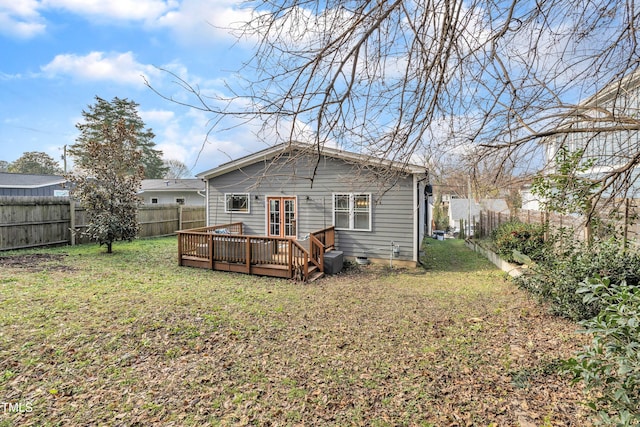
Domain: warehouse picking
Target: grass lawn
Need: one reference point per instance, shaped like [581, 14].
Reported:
[130, 338]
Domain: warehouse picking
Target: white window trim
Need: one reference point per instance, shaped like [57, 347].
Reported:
[226, 209]
[352, 210]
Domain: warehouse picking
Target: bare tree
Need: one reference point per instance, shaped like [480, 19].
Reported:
[491, 80]
[176, 169]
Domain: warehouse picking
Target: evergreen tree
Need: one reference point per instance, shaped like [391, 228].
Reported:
[35, 162]
[107, 186]
[106, 114]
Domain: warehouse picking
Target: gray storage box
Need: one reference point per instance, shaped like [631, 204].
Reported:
[333, 261]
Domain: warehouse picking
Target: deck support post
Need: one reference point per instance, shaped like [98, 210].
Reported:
[210, 251]
[247, 252]
[290, 260]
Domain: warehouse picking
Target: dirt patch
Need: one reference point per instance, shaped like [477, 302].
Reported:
[36, 262]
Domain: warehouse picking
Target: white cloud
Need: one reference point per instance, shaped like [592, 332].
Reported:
[20, 18]
[156, 116]
[193, 22]
[172, 151]
[126, 10]
[203, 22]
[98, 66]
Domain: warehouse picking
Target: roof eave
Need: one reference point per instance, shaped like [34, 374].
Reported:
[48, 184]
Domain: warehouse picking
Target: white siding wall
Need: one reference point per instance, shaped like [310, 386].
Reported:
[165, 197]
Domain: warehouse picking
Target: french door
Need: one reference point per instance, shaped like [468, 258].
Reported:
[281, 217]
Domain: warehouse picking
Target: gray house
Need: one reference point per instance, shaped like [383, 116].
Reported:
[290, 190]
[189, 192]
[20, 184]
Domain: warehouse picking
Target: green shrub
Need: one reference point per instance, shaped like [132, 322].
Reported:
[526, 239]
[556, 277]
[611, 364]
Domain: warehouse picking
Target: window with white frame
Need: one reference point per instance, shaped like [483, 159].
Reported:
[236, 202]
[352, 211]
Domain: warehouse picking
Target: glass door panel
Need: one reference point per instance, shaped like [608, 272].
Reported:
[274, 217]
[281, 217]
[289, 217]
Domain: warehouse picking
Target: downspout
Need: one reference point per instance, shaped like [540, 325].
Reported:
[206, 202]
[416, 226]
[425, 198]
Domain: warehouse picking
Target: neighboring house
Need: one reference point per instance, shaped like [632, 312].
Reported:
[603, 127]
[290, 191]
[20, 184]
[189, 192]
[469, 211]
[530, 201]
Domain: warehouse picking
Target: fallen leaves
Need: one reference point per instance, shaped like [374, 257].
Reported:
[371, 347]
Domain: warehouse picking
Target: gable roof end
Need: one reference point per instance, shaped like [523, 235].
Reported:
[272, 152]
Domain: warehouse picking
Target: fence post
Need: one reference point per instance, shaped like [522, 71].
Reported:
[72, 221]
[180, 217]
[545, 223]
[626, 223]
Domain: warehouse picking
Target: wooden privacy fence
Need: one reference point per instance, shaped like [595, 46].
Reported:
[622, 222]
[490, 220]
[41, 221]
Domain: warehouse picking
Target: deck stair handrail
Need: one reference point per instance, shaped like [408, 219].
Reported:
[299, 261]
[326, 236]
[316, 252]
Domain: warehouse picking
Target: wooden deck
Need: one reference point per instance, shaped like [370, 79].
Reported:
[224, 247]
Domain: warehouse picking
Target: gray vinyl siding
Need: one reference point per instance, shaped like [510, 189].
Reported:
[31, 192]
[392, 210]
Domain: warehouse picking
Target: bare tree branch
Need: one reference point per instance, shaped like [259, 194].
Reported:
[489, 82]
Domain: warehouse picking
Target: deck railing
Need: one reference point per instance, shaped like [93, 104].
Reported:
[319, 242]
[224, 247]
[326, 236]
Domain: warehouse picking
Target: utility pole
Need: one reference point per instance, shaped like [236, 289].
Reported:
[468, 233]
[64, 157]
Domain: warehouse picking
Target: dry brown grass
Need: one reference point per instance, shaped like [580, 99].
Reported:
[131, 339]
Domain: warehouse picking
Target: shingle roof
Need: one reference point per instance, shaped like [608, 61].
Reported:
[22, 180]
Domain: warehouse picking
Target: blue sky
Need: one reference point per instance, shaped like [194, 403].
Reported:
[57, 55]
